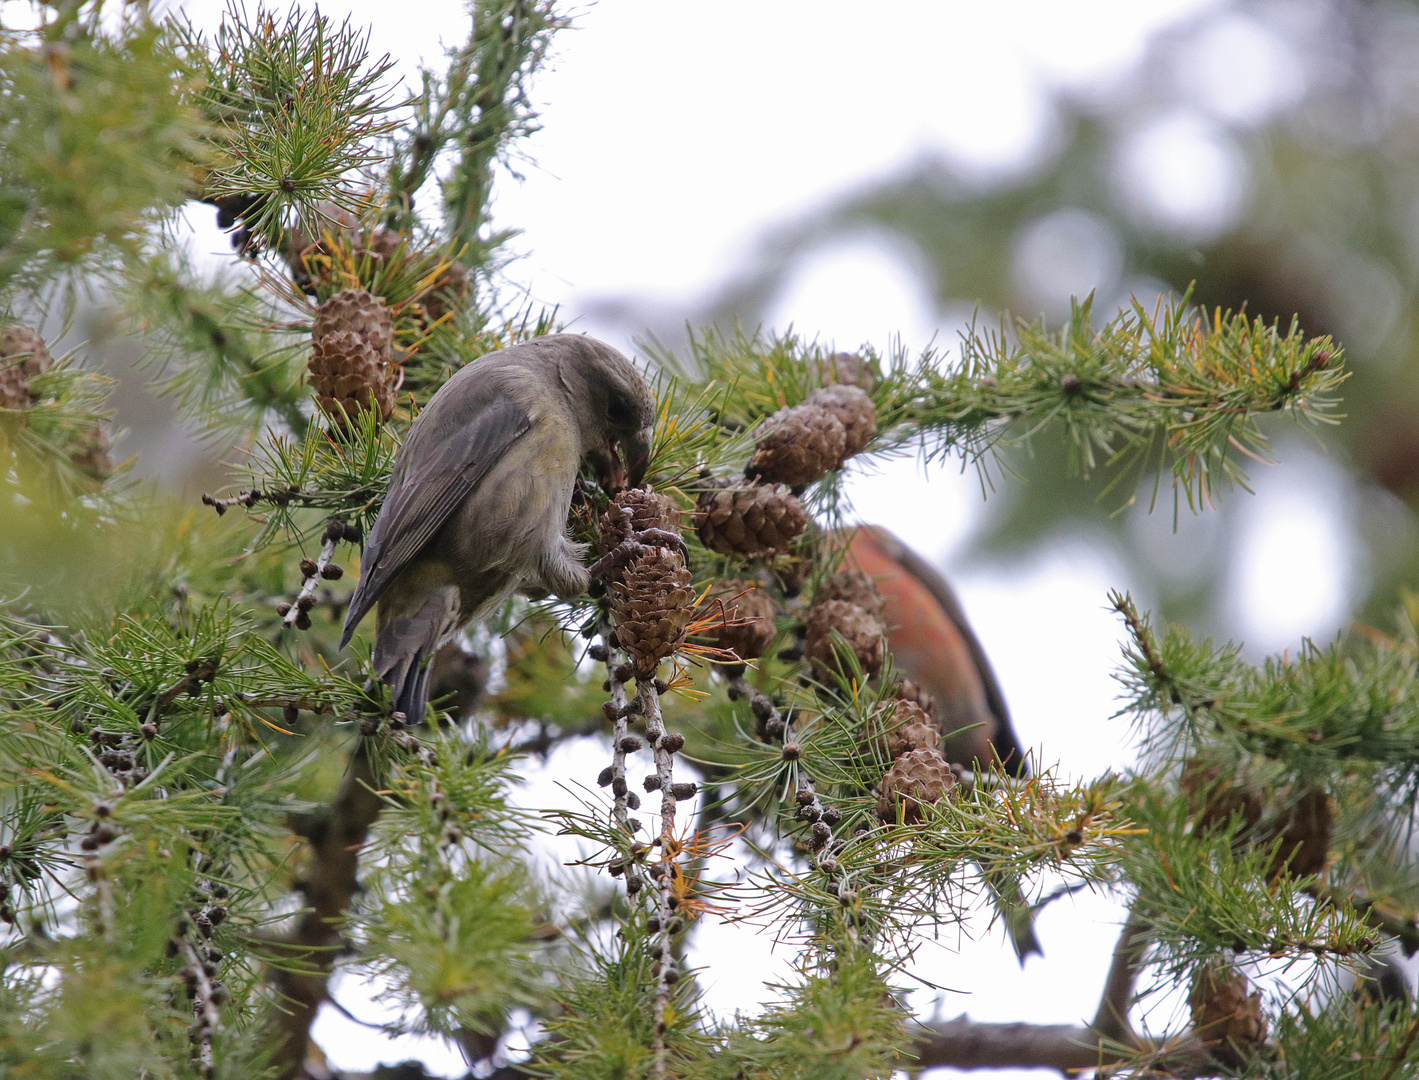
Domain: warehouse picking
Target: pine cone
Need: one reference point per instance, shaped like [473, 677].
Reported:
[356, 311]
[798, 446]
[854, 410]
[755, 521]
[862, 632]
[1225, 1016]
[845, 369]
[741, 600]
[649, 510]
[652, 606]
[23, 355]
[1305, 829]
[906, 690]
[853, 587]
[348, 376]
[91, 452]
[893, 732]
[448, 293]
[1214, 799]
[916, 779]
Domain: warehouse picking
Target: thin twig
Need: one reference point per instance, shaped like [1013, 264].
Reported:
[209, 1020]
[1111, 1017]
[1402, 1051]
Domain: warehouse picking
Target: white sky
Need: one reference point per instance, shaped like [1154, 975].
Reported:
[677, 133]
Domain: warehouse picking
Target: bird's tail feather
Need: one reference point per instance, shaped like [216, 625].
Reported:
[405, 648]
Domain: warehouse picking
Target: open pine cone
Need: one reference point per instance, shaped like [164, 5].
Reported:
[757, 521]
[916, 779]
[92, 452]
[854, 410]
[862, 632]
[649, 510]
[741, 600]
[1214, 798]
[23, 355]
[1306, 829]
[798, 446]
[350, 367]
[845, 369]
[1225, 1016]
[652, 605]
[890, 734]
[906, 690]
[854, 587]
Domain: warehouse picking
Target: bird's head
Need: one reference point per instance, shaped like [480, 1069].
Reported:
[616, 412]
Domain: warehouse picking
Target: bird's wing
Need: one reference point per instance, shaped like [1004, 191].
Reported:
[453, 456]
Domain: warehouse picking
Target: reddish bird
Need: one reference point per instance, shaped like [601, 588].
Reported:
[934, 647]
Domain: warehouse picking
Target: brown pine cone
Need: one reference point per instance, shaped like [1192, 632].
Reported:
[741, 600]
[383, 243]
[862, 632]
[348, 377]
[854, 410]
[893, 731]
[754, 521]
[447, 294]
[649, 510]
[854, 587]
[798, 446]
[653, 604]
[356, 311]
[916, 779]
[845, 369]
[1225, 1016]
[91, 452]
[906, 690]
[1306, 829]
[23, 355]
[1213, 798]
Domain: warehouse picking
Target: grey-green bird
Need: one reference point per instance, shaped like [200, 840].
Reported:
[478, 502]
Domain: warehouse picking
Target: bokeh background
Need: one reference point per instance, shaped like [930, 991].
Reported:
[885, 174]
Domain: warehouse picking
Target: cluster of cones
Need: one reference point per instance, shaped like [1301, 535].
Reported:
[844, 631]
[652, 599]
[1300, 822]
[23, 357]
[762, 517]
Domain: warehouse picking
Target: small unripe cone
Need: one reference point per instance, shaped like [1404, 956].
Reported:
[23, 355]
[754, 521]
[845, 369]
[1225, 1016]
[862, 632]
[916, 779]
[741, 600]
[890, 734]
[652, 605]
[349, 376]
[798, 446]
[854, 410]
[649, 510]
[854, 587]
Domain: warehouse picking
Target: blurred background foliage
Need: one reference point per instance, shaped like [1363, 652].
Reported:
[1267, 154]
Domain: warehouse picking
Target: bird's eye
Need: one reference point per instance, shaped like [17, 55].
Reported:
[618, 412]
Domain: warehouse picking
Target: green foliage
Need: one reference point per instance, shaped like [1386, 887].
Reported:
[99, 140]
[298, 108]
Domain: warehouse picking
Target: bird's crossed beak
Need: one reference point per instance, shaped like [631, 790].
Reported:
[626, 463]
